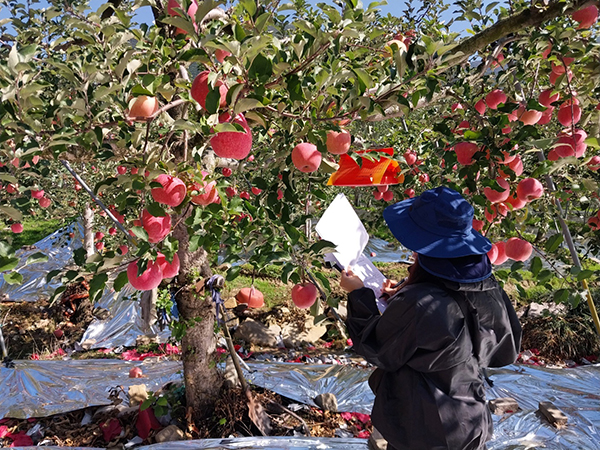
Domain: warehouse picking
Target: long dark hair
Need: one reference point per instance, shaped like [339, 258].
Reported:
[416, 274]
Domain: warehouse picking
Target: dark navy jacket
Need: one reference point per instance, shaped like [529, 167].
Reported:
[429, 393]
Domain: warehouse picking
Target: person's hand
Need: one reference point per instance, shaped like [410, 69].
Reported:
[388, 288]
[350, 282]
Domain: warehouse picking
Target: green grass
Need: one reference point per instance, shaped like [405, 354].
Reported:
[33, 231]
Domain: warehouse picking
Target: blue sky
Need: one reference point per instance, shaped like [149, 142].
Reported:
[395, 7]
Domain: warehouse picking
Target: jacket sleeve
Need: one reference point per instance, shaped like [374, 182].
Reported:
[386, 340]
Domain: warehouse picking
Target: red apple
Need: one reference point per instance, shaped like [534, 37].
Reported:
[156, 227]
[529, 189]
[245, 195]
[518, 249]
[221, 55]
[37, 194]
[493, 254]
[226, 171]
[338, 143]
[477, 225]
[172, 4]
[16, 228]
[495, 98]
[142, 108]
[44, 202]
[304, 295]
[480, 107]
[594, 163]
[123, 249]
[546, 116]
[169, 269]
[232, 144]
[495, 196]
[121, 170]
[530, 117]
[586, 17]
[200, 89]
[148, 280]
[11, 188]
[410, 192]
[388, 196]
[569, 114]
[554, 76]
[465, 151]
[424, 178]
[279, 194]
[256, 190]
[172, 191]
[410, 157]
[306, 157]
[594, 223]
[135, 372]
[548, 97]
[501, 255]
[99, 236]
[515, 202]
[208, 192]
[58, 333]
[250, 296]
[230, 191]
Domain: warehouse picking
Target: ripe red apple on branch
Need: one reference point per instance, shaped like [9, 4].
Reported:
[172, 192]
[200, 89]
[518, 249]
[232, 144]
[304, 295]
[338, 142]
[157, 227]
[148, 280]
[142, 108]
[306, 158]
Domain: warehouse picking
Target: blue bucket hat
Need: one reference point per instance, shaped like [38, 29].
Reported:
[438, 223]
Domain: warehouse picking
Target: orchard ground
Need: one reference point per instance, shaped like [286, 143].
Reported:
[30, 329]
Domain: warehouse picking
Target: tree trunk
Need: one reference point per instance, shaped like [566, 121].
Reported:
[196, 310]
[88, 230]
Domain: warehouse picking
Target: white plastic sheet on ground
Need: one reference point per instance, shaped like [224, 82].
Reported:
[124, 324]
[41, 388]
[59, 247]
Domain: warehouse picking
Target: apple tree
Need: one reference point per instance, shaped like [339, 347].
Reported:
[217, 128]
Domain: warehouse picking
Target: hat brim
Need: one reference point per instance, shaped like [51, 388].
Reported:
[422, 241]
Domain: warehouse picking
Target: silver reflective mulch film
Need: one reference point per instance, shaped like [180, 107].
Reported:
[41, 388]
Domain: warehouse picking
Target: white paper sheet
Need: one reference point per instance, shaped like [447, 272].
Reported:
[341, 225]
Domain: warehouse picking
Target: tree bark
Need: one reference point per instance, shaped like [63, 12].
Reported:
[197, 311]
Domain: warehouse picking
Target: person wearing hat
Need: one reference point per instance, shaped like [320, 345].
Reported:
[447, 321]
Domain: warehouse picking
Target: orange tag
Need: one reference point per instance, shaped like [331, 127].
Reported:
[383, 171]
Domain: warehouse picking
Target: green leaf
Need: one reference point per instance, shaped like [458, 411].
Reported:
[261, 68]
[37, 258]
[322, 246]
[561, 295]
[11, 212]
[52, 274]
[553, 243]
[536, 265]
[13, 278]
[120, 281]
[146, 403]
[250, 6]
[584, 274]
[233, 273]
[8, 263]
[80, 256]
[285, 272]
[544, 275]
[97, 284]
[593, 142]
[5, 249]
[292, 232]
[140, 233]
[156, 210]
